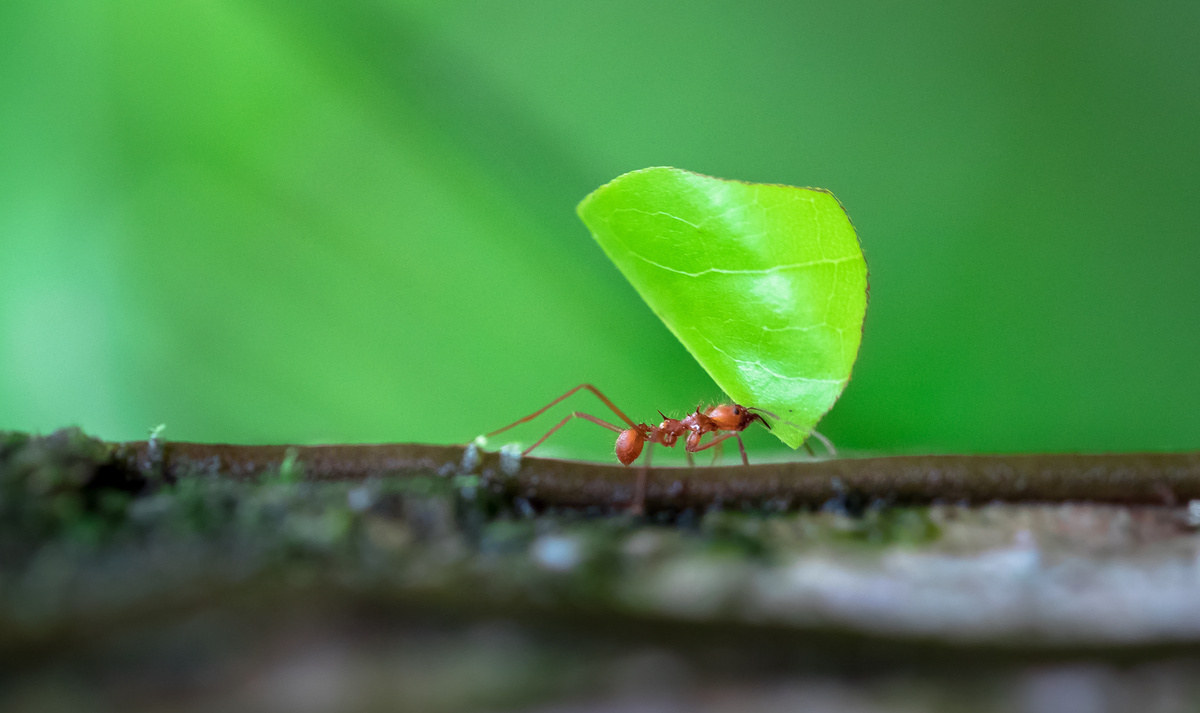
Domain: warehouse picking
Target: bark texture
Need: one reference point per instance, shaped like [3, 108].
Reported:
[1128, 479]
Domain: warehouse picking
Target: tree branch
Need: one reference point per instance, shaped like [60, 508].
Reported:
[1143, 478]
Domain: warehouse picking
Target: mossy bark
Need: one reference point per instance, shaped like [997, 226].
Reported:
[842, 571]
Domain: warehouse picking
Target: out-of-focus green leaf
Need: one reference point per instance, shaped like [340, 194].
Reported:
[764, 284]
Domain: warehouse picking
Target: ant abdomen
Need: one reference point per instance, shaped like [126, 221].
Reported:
[629, 445]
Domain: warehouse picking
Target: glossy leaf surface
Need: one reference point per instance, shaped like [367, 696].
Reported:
[764, 284]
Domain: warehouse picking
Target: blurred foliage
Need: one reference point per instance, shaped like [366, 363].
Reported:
[300, 221]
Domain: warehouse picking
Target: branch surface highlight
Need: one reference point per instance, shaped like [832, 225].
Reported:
[1127, 479]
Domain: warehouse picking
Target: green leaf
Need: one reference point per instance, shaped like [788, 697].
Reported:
[764, 284]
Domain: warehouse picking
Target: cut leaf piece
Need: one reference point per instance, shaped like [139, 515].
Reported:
[764, 284]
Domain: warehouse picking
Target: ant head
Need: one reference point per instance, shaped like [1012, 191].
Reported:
[735, 417]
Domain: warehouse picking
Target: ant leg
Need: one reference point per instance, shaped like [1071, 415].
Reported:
[715, 441]
[543, 409]
[690, 461]
[717, 453]
[721, 439]
[638, 508]
[808, 447]
[825, 442]
[577, 414]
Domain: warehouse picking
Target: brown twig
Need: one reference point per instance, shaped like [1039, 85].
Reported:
[1141, 478]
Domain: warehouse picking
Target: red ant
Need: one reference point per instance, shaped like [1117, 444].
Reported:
[730, 418]
[725, 417]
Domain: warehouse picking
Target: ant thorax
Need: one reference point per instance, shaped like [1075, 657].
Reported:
[667, 432]
[700, 423]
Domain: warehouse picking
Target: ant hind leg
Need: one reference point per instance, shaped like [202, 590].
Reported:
[638, 507]
[545, 408]
[560, 424]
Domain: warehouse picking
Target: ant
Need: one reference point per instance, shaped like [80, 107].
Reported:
[733, 418]
[728, 419]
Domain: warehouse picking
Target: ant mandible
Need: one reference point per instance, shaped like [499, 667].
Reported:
[731, 419]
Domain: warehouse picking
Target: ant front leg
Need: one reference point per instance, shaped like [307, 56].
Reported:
[825, 442]
[742, 448]
[722, 439]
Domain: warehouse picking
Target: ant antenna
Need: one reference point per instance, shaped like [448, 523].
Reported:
[764, 412]
[545, 408]
[768, 413]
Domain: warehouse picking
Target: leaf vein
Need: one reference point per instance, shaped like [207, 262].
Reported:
[763, 271]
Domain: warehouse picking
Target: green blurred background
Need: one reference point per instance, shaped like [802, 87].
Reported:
[304, 221]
